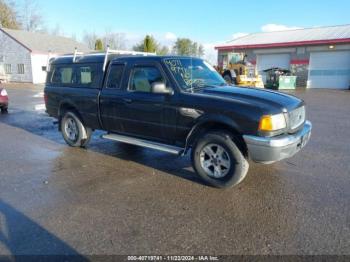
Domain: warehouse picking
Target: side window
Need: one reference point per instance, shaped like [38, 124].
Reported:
[84, 75]
[62, 75]
[143, 77]
[115, 76]
[78, 75]
[8, 69]
[20, 69]
[87, 75]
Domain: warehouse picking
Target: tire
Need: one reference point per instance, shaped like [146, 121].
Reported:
[228, 78]
[73, 130]
[230, 161]
[234, 81]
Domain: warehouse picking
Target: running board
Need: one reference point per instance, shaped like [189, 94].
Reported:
[144, 143]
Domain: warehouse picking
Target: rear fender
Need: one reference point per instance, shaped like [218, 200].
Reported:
[68, 105]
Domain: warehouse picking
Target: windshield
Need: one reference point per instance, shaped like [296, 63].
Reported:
[191, 73]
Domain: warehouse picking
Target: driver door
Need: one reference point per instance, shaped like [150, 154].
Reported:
[146, 114]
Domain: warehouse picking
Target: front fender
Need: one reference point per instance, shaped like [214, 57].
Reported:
[210, 120]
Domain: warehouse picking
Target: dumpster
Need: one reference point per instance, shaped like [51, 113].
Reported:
[287, 82]
[278, 78]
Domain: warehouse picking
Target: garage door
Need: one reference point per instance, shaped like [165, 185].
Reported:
[329, 70]
[273, 60]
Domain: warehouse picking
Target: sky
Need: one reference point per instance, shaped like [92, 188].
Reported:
[206, 21]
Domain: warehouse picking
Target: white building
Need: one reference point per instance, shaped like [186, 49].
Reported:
[24, 55]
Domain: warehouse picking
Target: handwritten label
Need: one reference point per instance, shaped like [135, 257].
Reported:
[185, 73]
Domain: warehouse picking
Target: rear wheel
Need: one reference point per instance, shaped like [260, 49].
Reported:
[74, 132]
[4, 110]
[218, 161]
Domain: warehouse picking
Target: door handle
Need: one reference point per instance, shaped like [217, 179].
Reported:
[127, 100]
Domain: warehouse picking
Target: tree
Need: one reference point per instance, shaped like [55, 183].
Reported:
[30, 16]
[111, 39]
[8, 15]
[200, 51]
[99, 45]
[114, 40]
[149, 44]
[163, 51]
[90, 39]
[56, 30]
[139, 47]
[185, 46]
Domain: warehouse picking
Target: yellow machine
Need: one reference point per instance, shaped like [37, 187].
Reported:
[240, 72]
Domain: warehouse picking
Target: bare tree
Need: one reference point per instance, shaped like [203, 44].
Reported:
[74, 36]
[56, 30]
[114, 40]
[90, 39]
[30, 16]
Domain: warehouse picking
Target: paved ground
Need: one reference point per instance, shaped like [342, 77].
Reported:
[118, 199]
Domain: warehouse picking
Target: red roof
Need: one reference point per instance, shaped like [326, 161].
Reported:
[299, 37]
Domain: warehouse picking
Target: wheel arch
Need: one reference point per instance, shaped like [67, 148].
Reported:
[217, 123]
[67, 106]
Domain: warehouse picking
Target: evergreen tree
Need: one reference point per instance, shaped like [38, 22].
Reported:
[150, 44]
[98, 45]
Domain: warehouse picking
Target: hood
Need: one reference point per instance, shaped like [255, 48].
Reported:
[270, 101]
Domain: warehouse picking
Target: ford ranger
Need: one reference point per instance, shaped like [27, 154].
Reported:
[176, 105]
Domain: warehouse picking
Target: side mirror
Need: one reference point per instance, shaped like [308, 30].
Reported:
[160, 88]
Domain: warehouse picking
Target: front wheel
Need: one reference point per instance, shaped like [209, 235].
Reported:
[74, 132]
[218, 161]
[228, 78]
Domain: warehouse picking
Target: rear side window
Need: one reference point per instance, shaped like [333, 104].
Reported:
[84, 75]
[115, 76]
[78, 75]
[62, 75]
[87, 76]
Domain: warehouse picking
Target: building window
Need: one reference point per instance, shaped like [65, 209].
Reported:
[20, 69]
[8, 69]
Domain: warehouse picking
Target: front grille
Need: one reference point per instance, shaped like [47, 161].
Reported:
[296, 118]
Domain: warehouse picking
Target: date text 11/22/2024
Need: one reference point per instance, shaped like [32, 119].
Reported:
[173, 258]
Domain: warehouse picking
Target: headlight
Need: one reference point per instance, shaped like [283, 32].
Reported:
[3, 93]
[272, 123]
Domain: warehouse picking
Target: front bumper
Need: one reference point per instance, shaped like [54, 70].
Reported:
[269, 150]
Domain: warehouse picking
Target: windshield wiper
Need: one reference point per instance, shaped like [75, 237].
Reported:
[199, 88]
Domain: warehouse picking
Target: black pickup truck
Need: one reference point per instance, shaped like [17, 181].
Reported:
[176, 105]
